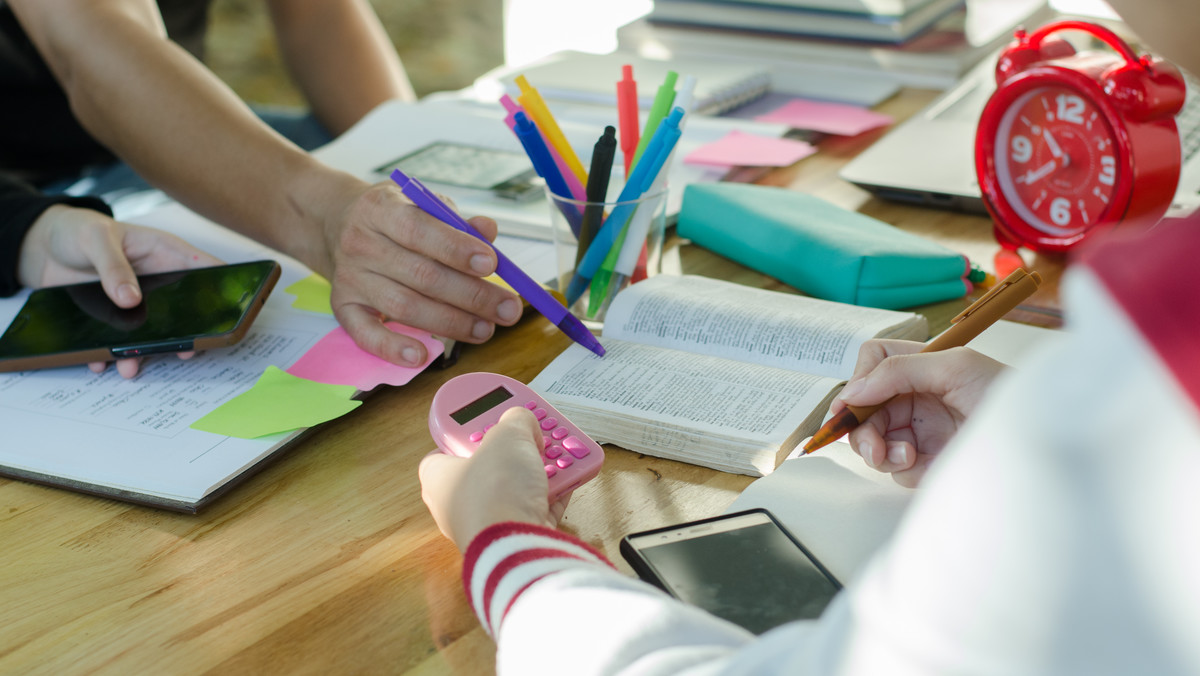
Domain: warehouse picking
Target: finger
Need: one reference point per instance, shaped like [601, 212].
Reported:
[875, 351]
[97, 366]
[486, 227]
[104, 250]
[370, 334]
[150, 250]
[911, 477]
[128, 368]
[413, 229]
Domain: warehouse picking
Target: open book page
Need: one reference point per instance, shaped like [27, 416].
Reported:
[684, 401]
[709, 316]
[839, 508]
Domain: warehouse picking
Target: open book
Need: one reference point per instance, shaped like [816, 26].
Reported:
[714, 373]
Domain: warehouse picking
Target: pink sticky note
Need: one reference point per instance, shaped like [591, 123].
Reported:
[831, 118]
[337, 360]
[739, 149]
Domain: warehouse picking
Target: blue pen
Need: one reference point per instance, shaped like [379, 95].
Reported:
[639, 182]
[543, 163]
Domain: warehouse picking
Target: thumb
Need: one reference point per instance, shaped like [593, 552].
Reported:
[116, 274]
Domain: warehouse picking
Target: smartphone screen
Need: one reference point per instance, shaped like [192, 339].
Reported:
[182, 310]
[741, 567]
[506, 173]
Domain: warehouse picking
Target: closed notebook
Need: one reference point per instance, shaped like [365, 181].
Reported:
[820, 248]
[592, 78]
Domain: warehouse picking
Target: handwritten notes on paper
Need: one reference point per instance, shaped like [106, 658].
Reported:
[739, 149]
[830, 118]
[278, 402]
[337, 360]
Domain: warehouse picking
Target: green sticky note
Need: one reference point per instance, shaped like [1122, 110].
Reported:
[312, 294]
[278, 402]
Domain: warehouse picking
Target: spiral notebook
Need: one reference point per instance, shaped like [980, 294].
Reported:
[592, 78]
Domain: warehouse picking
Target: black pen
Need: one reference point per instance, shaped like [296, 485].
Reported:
[597, 189]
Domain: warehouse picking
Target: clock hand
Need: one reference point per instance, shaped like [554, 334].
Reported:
[1034, 176]
[1051, 143]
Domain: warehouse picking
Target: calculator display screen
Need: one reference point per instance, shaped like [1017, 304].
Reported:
[481, 405]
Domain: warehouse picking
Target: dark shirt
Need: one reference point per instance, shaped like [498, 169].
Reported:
[40, 139]
[20, 206]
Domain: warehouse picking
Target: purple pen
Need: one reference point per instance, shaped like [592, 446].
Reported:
[531, 291]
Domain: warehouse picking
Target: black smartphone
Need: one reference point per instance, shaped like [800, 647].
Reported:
[742, 567]
[505, 173]
[180, 311]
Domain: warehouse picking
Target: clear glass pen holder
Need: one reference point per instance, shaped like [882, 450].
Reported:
[622, 245]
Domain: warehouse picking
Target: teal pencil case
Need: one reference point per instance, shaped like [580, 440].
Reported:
[820, 248]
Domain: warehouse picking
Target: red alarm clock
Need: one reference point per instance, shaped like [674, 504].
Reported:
[1072, 143]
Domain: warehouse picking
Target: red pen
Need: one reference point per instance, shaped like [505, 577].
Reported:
[627, 115]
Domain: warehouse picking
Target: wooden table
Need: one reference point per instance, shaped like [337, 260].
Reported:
[327, 561]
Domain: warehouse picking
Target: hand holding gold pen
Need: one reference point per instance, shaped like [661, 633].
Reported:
[993, 305]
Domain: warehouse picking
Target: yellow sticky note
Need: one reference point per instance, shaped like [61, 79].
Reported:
[278, 402]
[312, 294]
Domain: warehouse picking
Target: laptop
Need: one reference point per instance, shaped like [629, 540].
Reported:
[929, 159]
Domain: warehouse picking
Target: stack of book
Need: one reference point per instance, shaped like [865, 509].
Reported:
[919, 42]
[875, 20]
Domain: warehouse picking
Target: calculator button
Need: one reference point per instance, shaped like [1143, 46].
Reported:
[539, 413]
[576, 447]
[564, 462]
[553, 452]
[546, 441]
[550, 423]
[531, 405]
[488, 427]
[551, 470]
[560, 432]
[476, 437]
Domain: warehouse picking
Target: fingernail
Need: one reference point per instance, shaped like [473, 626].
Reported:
[481, 264]
[128, 294]
[481, 330]
[897, 454]
[509, 310]
[865, 450]
[410, 355]
[852, 388]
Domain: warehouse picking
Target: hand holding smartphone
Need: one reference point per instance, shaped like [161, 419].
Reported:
[197, 309]
[742, 567]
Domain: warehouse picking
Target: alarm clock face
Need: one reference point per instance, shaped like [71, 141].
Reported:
[1056, 161]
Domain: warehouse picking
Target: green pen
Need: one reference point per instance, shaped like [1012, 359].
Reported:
[658, 112]
[663, 100]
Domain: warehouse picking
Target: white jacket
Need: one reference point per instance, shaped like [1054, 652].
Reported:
[1056, 535]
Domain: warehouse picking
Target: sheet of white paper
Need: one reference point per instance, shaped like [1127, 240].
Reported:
[834, 504]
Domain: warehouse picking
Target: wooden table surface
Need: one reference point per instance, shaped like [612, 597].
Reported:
[327, 561]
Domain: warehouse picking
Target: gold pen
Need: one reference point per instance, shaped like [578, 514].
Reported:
[996, 303]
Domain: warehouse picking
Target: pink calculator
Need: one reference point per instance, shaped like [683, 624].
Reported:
[467, 406]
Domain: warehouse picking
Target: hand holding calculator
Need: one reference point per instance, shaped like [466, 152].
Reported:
[467, 406]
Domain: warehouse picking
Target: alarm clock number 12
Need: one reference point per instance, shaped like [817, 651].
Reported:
[1073, 143]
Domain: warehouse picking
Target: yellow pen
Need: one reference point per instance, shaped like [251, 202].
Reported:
[536, 108]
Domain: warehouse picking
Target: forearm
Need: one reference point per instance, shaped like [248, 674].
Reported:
[340, 57]
[549, 599]
[167, 116]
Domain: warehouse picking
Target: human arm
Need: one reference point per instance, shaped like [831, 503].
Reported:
[928, 395]
[340, 56]
[174, 122]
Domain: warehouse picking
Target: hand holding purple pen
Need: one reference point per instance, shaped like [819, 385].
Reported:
[531, 291]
